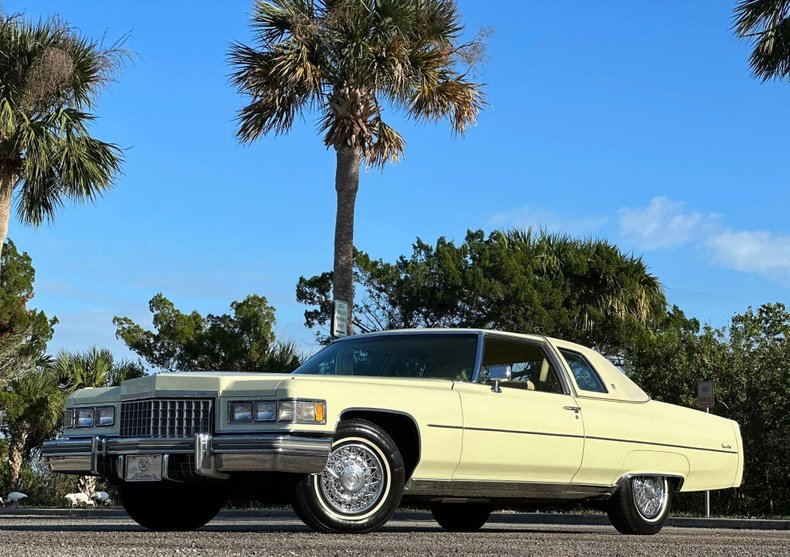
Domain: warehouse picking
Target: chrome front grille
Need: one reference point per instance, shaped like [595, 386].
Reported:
[160, 417]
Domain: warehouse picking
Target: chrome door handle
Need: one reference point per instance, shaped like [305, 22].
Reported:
[576, 409]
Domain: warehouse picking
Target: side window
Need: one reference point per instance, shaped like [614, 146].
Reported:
[586, 377]
[531, 370]
[368, 362]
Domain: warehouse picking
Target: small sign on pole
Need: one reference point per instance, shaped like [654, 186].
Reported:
[705, 394]
[705, 399]
[340, 324]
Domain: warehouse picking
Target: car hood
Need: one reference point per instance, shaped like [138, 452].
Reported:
[184, 384]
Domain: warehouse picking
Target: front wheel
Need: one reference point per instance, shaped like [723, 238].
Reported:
[166, 507]
[361, 485]
[640, 505]
[461, 517]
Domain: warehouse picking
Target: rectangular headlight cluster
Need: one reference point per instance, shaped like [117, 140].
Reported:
[98, 416]
[290, 411]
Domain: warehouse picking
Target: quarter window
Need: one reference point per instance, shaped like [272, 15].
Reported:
[586, 377]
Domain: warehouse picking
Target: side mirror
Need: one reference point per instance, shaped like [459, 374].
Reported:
[497, 373]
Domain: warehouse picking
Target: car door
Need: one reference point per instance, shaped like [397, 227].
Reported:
[529, 431]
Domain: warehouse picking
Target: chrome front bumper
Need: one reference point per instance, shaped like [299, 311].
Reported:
[213, 456]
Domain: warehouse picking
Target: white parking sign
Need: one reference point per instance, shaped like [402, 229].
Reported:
[705, 396]
[340, 325]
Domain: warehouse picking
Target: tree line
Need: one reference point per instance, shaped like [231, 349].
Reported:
[584, 290]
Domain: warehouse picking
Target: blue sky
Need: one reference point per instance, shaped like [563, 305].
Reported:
[633, 121]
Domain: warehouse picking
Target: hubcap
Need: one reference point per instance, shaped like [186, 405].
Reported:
[649, 495]
[353, 480]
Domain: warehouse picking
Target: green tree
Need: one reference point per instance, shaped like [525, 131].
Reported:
[756, 389]
[242, 341]
[49, 79]
[748, 362]
[766, 24]
[347, 59]
[33, 404]
[93, 368]
[24, 332]
[583, 290]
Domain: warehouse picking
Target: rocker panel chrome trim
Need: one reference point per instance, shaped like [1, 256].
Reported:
[512, 491]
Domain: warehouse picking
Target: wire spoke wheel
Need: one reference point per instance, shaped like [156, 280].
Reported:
[361, 484]
[649, 495]
[640, 505]
[353, 480]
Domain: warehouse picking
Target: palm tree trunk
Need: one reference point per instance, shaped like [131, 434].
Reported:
[346, 185]
[16, 455]
[6, 189]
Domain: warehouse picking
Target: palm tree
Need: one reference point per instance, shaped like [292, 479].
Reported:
[767, 24]
[606, 283]
[346, 60]
[49, 79]
[280, 357]
[33, 405]
[95, 368]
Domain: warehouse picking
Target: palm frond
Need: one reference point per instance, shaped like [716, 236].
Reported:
[281, 83]
[273, 21]
[454, 98]
[387, 144]
[94, 368]
[341, 56]
[766, 23]
[49, 77]
[752, 15]
[61, 161]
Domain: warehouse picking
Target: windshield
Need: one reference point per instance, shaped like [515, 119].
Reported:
[438, 355]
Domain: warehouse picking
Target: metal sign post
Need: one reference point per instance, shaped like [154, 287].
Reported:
[705, 399]
[340, 325]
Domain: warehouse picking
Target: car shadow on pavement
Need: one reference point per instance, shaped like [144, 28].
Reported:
[284, 528]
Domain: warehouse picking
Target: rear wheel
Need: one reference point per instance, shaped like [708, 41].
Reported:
[169, 507]
[461, 517]
[640, 505]
[360, 487]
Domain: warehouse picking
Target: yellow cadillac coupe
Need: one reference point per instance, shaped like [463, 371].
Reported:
[463, 421]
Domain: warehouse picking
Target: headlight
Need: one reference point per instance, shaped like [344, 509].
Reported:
[105, 416]
[68, 418]
[302, 411]
[240, 411]
[84, 417]
[265, 411]
[288, 411]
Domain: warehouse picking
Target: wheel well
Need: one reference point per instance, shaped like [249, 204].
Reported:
[400, 427]
[675, 482]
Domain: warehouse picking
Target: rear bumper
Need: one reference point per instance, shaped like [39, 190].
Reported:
[211, 456]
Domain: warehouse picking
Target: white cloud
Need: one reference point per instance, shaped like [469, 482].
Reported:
[760, 252]
[536, 217]
[664, 224]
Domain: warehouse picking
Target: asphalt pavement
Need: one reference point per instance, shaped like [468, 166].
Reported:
[91, 534]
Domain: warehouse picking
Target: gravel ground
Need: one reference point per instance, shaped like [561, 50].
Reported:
[88, 536]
